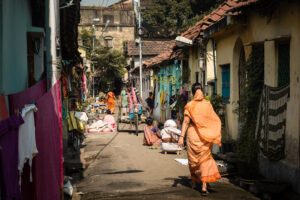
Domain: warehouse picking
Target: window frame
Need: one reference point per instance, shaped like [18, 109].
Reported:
[226, 94]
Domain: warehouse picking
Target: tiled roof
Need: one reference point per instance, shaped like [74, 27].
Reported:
[227, 8]
[149, 47]
[168, 55]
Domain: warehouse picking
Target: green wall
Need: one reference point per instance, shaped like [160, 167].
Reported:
[1, 46]
[15, 19]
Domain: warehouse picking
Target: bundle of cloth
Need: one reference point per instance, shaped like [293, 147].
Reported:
[170, 135]
[105, 125]
[100, 127]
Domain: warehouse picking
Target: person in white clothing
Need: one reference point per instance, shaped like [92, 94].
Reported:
[170, 133]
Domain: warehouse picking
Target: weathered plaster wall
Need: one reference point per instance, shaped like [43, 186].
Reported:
[121, 29]
[224, 56]
[210, 75]
[14, 76]
[284, 22]
[193, 56]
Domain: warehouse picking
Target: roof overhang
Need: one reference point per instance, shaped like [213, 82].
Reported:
[182, 41]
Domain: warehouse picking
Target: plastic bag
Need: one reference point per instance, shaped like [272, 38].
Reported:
[68, 188]
[81, 116]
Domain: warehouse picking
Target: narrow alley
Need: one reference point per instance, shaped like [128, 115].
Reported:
[149, 99]
[118, 166]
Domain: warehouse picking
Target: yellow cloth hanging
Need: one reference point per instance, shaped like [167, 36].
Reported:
[161, 96]
[80, 125]
[73, 120]
[70, 127]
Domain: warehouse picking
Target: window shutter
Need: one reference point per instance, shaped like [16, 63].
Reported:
[226, 82]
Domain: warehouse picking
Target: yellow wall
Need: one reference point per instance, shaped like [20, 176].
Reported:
[210, 61]
[285, 21]
[120, 35]
[225, 55]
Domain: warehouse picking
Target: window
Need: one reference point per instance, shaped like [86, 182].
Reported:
[108, 17]
[185, 71]
[203, 78]
[197, 77]
[226, 82]
[283, 64]
[108, 42]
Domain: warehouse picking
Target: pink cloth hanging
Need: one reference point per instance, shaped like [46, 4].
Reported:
[48, 173]
[132, 100]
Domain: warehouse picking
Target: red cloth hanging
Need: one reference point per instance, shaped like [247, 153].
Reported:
[3, 109]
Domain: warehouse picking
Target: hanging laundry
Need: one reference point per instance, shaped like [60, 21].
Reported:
[9, 157]
[18, 100]
[48, 177]
[64, 85]
[3, 109]
[27, 142]
[84, 86]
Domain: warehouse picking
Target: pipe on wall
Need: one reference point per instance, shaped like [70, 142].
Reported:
[214, 60]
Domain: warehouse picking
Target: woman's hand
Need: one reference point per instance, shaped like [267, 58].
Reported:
[180, 142]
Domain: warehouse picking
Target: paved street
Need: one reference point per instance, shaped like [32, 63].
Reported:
[118, 166]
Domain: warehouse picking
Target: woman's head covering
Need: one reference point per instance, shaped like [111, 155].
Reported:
[207, 122]
[170, 124]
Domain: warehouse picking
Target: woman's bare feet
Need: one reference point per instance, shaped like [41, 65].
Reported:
[204, 189]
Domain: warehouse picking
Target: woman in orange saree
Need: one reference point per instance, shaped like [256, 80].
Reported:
[110, 101]
[203, 128]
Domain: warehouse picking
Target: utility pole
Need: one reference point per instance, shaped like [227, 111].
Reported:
[92, 61]
[140, 45]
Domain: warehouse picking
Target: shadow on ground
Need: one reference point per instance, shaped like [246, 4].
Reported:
[125, 172]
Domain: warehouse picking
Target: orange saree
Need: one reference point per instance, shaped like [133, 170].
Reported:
[204, 130]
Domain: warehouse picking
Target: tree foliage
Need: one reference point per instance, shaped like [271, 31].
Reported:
[109, 68]
[177, 15]
[87, 40]
[108, 63]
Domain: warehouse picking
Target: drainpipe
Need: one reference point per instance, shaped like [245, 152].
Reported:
[214, 58]
[52, 24]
